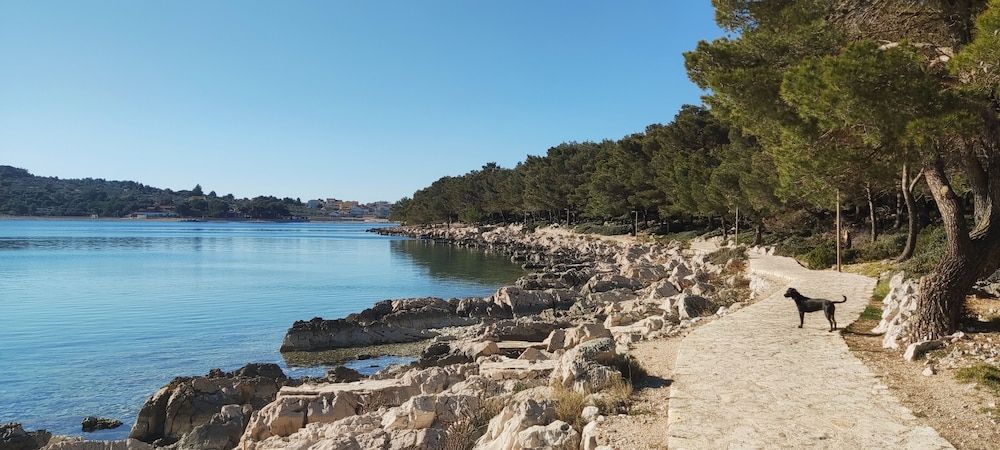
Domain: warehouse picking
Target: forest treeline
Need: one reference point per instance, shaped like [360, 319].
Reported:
[806, 101]
[24, 194]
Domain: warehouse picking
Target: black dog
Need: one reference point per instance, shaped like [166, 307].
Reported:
[806, 304]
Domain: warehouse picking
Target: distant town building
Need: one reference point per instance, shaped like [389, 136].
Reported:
[351, 209]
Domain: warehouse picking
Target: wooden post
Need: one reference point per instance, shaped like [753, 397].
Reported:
[838, 230]
[736, 237]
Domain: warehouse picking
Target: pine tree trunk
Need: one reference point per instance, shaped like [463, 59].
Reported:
[913, 226]
[942, 292]
[871, 213]
[898, 223]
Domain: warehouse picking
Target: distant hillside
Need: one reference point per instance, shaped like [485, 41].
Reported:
[24, 194]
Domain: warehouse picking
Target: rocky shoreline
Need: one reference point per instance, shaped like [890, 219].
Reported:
[495, 371]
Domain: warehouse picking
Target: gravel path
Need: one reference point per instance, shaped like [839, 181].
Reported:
[753, 379]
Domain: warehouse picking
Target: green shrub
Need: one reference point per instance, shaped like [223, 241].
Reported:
[722, 256]
[885, 247]
[931, 244]
[820, 257]
[881, 289]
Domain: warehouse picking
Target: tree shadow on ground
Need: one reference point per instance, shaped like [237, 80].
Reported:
[655, 382]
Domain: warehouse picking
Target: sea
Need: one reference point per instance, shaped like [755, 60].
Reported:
[96, 315]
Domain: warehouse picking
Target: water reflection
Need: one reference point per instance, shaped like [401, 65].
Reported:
[448, 262]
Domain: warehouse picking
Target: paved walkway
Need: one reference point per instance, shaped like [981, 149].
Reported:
[752, 379]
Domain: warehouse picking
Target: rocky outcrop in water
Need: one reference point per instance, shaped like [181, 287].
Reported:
[207, 412]
[91, 424]
[14, 437]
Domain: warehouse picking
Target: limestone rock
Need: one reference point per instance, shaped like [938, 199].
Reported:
[188, 402]
[342, 374]
[917, 349]
[91, 423]
[689, 306]
[571, 337]
[318, 334]
[557, 435]
[221, 432]
[660, 289]
[14, 437]
[504, 429]
[422, 411]
[898, 307]
[588, 438]
[607, 282]
[529, 329]
[521, 302]
[584, 368]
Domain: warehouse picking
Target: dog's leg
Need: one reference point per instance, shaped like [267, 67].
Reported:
[802, 318]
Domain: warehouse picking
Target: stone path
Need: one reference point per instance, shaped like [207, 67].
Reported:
[752, 379]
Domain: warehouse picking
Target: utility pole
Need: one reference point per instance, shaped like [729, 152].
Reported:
[838, 230]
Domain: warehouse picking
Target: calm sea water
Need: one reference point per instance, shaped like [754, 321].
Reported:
[97, 315]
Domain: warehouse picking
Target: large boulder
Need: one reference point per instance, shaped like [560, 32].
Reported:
[188, 402]
[422, 411]
[14, 437]
[606, 282]
[557, 435]
[659, 290]
[564, 339]
[689, 306]
[522, 302]
[289, 413]
[504, 429]
[221, 432]
[646, 273]
[586, 367]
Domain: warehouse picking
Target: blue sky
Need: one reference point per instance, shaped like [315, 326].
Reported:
[354, 99]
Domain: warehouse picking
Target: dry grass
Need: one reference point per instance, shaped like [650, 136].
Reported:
[615, 399]
[569, 406]
[462, 434]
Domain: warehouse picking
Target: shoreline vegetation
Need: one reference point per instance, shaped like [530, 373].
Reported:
[319, 219]
[23, 194]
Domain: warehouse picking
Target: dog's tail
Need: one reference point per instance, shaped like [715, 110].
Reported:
[842, 301]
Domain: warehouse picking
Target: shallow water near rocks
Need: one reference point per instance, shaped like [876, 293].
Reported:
[97, 315]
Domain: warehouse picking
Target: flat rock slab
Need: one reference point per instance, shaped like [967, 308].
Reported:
[752, 379]
[517, 369]
[519, 345]
[330, 388]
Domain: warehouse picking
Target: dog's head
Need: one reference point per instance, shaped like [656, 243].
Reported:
[792, 293]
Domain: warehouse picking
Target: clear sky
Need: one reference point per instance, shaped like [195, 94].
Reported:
[355, 99]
